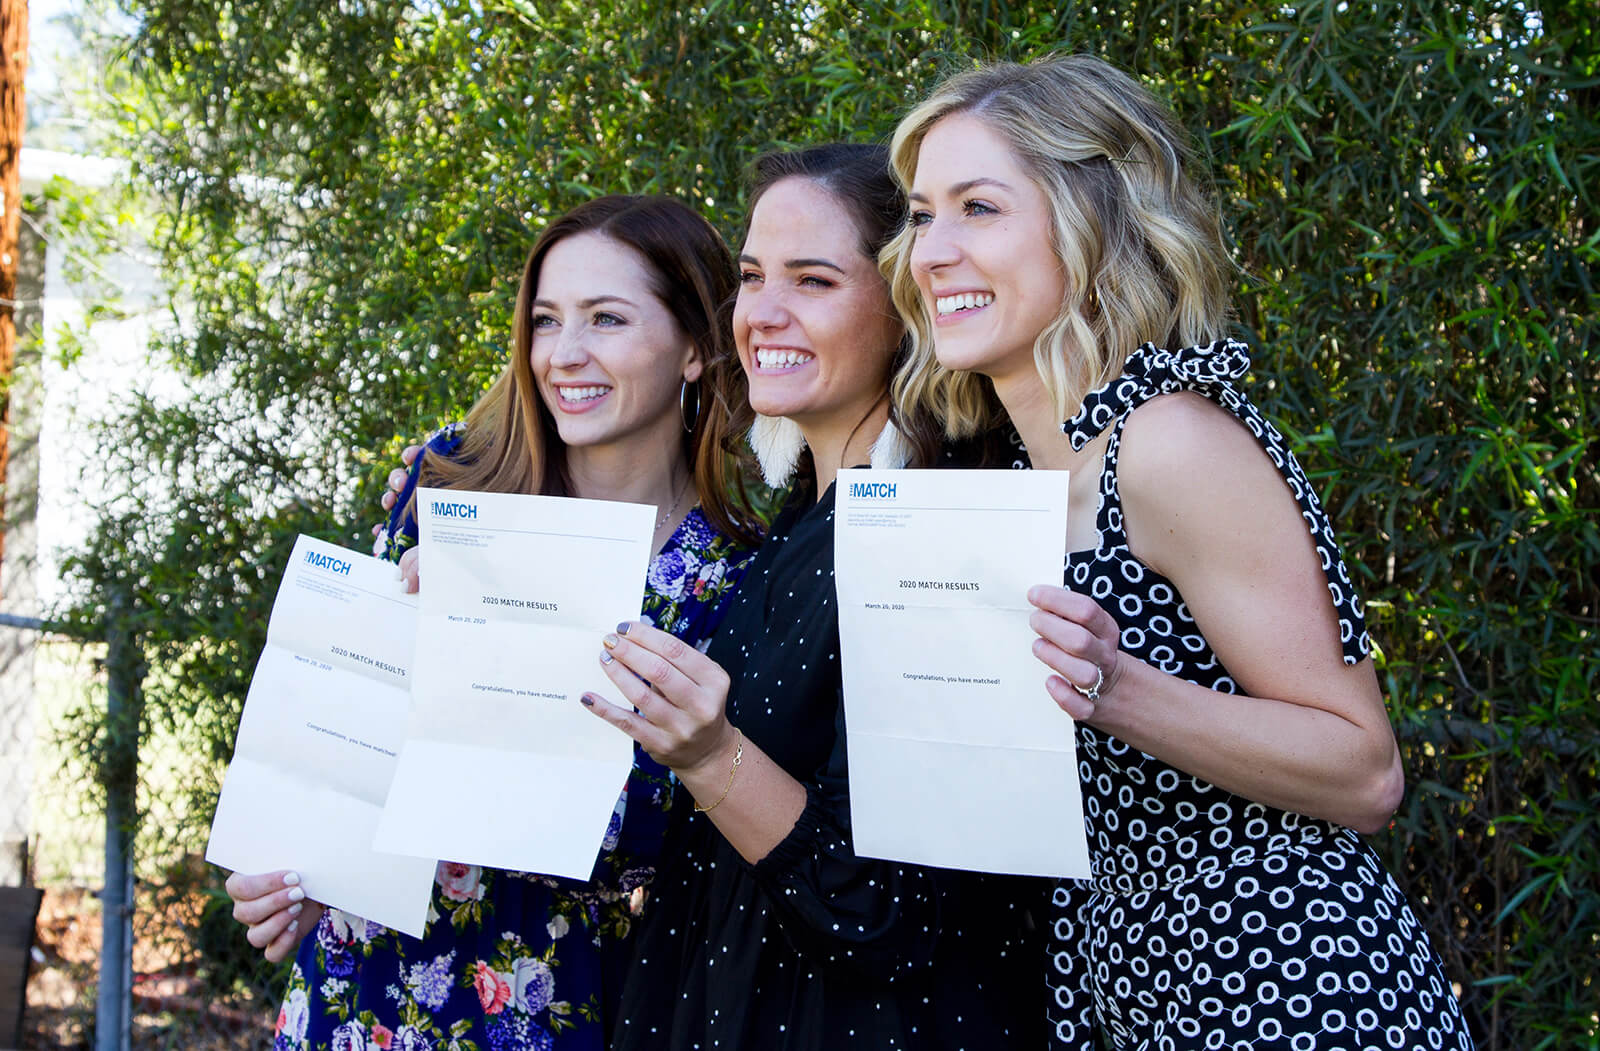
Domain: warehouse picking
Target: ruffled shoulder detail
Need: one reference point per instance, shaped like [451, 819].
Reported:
[1212, 371]
[1151, 371]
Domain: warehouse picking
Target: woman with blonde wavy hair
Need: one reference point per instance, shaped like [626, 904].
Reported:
[1061, 263]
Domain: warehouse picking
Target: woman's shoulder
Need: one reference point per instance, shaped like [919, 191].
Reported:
[1193, 478]
[1183, 438]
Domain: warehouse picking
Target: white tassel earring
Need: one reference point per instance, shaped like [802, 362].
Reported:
[891, 451]
[777, 443]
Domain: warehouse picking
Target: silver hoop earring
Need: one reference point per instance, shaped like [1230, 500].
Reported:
[689, 418]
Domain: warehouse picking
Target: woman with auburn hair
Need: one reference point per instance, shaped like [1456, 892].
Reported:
[1061, 263]
[765, 929]
[615, 336]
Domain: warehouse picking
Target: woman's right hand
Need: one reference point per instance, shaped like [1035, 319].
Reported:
[275, 909]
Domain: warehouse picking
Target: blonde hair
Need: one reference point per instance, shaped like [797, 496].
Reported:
[1140, 244]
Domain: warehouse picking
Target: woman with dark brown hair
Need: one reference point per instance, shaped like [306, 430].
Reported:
[614, 391]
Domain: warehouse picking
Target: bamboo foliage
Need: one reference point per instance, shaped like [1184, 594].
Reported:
[344, 192]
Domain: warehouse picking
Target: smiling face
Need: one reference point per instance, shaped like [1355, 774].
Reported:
[982, 256]
[813, 321]
[607, 355]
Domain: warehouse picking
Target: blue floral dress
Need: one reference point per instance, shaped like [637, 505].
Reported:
[510, 960]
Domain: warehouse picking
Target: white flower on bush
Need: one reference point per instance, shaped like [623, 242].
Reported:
[532, 984]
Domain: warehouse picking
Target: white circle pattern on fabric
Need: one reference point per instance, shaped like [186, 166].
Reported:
[1212, 920]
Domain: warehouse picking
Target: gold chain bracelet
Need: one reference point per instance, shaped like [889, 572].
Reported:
[738, 757]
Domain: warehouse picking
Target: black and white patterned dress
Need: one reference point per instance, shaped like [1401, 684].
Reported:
[1213, 921]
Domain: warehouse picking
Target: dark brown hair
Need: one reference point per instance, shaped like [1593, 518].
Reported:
[857, 175]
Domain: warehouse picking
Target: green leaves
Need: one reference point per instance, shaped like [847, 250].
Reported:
[345, 193]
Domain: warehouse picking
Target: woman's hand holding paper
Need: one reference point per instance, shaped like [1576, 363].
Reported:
[275, 909]
[680, 695]
[410, 570]
[397, 477]
[394, 484]
[1079, 641]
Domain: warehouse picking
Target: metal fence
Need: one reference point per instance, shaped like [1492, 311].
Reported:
[124, 674]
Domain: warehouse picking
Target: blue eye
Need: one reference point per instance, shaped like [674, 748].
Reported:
[608, 320]
[543, 321]
[920, 218]
[977, 208]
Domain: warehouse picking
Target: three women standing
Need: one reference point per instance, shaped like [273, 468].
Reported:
[1059, 264]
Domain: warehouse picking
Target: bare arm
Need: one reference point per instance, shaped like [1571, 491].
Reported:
[1207, 509]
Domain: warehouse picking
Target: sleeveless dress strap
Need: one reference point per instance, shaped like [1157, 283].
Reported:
[1212, 371]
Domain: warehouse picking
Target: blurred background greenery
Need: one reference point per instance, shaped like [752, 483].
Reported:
[340, 193]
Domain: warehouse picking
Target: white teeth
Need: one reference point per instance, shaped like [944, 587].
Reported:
[582, 393]
[963, 301]
[780, 359]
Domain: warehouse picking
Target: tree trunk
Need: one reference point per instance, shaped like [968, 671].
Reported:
[13, 114]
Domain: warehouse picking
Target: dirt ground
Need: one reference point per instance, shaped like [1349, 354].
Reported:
[170, 1008]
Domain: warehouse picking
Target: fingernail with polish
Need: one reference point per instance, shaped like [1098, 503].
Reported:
[294, 910]
[294, 925]
[587, 700]
[606, 658]
[291, 878]
[296, 894]
[622, 629]
[610, 642]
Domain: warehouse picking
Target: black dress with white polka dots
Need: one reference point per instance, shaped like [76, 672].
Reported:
[813, 947]
[1213, 921]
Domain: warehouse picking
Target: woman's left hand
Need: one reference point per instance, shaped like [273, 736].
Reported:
[680, 693]
[1079, 641]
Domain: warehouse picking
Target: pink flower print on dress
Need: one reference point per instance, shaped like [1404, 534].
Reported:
[494, 992]
[459, 882]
